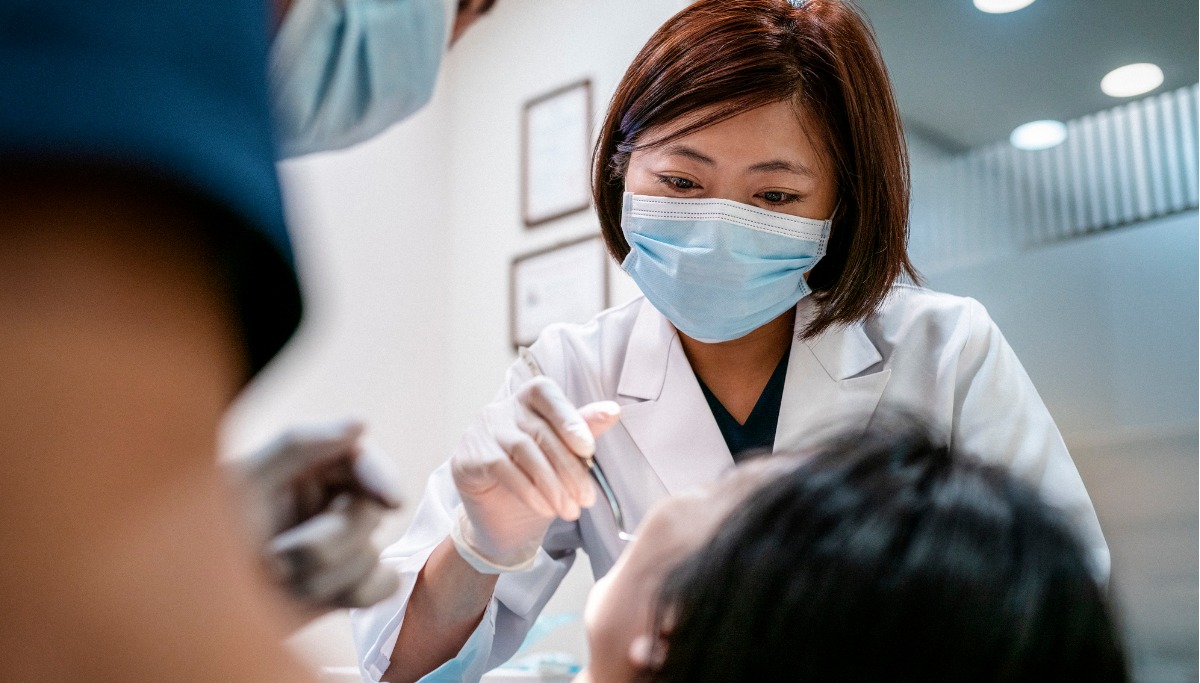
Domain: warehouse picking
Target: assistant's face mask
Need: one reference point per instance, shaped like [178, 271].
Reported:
[719, 269]
[341, 71]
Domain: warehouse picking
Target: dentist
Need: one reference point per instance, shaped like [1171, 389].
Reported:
[751, 177]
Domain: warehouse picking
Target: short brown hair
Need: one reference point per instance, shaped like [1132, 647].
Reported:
[726, 57]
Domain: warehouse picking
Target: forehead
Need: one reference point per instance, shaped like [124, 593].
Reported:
[767, 131]
[701, 510]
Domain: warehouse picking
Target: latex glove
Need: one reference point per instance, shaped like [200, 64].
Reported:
[519, 466]
[314, 495]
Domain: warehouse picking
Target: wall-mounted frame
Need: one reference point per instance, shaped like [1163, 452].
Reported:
[564, 283]
[555, 132]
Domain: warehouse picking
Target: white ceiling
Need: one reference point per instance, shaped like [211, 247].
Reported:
[964, 78]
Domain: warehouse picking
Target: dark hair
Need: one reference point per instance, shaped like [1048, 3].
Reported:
[483, 9]
[726, 57]
[889, 558]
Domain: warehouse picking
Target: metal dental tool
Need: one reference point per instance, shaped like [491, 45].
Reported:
[531, 363]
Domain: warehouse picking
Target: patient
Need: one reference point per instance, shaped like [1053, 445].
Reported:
[882, 557]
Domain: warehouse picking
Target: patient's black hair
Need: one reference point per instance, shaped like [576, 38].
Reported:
[886, 557]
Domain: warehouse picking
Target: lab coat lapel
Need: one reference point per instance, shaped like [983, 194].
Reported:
[825, 391]
[671, 424]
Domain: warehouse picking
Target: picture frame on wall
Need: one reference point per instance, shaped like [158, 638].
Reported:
[555, 154]
[566, 283]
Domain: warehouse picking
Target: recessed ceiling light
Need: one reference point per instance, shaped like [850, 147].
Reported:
[1132, 79]
[1001, 6]
[1038, 135]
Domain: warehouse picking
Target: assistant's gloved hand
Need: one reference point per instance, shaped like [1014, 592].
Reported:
[313, 497]
[519, 466]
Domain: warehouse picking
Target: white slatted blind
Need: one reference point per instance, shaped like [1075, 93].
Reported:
[1127, 164]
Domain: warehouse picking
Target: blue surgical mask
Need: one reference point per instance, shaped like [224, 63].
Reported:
[341, 71]
[719, 269]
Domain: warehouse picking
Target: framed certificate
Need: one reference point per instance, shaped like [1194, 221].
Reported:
[565, 283]
[555, 136]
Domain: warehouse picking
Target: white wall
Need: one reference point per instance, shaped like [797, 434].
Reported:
[1104, 324]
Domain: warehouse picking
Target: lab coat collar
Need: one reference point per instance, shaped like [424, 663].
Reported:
[650, 345]
[843, 351]
[828, 388]
[671, 424]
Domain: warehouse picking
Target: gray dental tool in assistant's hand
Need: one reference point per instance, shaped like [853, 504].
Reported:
[313, 496]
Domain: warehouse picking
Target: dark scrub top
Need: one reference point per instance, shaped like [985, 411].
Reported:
[758, 433]
[175, 92]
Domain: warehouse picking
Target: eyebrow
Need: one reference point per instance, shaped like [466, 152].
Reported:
[687, 152]
[781, 165]
[764, 166]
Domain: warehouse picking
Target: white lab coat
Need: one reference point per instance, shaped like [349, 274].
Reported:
[936, 355]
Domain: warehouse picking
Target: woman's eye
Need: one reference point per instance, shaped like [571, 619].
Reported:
[677, 182]
[778, 197]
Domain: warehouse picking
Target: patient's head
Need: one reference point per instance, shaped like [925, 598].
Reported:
[881, 557]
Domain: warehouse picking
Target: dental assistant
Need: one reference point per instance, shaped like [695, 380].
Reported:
[341, 71]
[751, 177]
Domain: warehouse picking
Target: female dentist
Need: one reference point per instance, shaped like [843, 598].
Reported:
[751, 177]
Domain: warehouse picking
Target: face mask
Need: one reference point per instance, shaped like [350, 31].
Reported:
[341, 71]
[719, 269]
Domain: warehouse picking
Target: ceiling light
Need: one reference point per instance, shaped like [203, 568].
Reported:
[1001, 6]
[1038, 135]
[1132, 79]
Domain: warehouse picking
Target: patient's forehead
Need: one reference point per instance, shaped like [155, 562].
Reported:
[699, 511]
[758, 470]
[733, 484]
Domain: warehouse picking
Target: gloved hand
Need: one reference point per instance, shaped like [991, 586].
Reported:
[313, 497]
[519, 466]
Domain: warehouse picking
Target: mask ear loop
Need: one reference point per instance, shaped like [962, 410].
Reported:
[834, 213]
